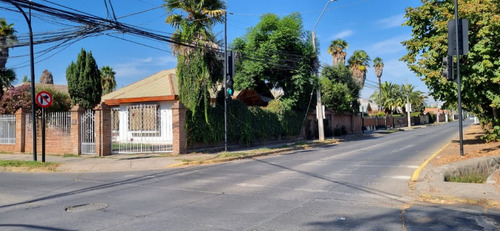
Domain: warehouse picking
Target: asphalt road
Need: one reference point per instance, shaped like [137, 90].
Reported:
[355, 185]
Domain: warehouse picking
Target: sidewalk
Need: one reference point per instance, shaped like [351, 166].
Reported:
[429, 184]
[113, 163]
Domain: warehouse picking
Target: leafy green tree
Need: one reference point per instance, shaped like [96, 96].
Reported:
[480, 69]
[108, 81]
[198, 68]
[339, 91]
[26, 79]
[337, 50]
[277, 54]
[359, 63]
[84, 81]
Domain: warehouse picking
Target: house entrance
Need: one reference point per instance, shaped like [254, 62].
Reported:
[142, 128]
[88, 132]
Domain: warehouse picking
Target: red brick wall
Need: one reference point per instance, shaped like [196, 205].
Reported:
[56, 141]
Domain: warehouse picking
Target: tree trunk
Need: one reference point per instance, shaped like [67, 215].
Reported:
[4, 53]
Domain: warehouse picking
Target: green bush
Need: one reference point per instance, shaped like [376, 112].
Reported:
[492, 135]
[245, 124]
[415, 114]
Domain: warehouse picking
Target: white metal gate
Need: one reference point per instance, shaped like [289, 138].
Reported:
[143, 128]
[88, 132]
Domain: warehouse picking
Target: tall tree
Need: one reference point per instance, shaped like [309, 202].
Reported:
[108, 81]
[359, 63]
[480, 69]
[84, 81]
[337, 50]
[7, 76]
[198, 68]
[46, 77]
[338, 89]
[6, 37]
[277, 54]
[378, 64]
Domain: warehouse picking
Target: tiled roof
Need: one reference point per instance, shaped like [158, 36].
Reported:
[158, 87]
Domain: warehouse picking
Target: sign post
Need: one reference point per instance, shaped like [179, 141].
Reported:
[44, 100]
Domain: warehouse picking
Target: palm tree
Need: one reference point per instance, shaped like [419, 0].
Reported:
[359, 63]
[416, 98]
[108, 81]
[336, 49]
[7, 76]
[195, 28]
[6, 37]
[197, 64]
[379, 68]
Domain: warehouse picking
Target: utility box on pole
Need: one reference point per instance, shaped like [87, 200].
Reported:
[463, 37]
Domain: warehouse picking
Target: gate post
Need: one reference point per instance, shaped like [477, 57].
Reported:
[102, 130]
[76, 141]
[179, 145]
[20, 130]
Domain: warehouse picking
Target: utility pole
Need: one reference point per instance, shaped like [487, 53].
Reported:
[408, 105]
[319, 106]
[32, 64]
[225, 81]
[460, 128]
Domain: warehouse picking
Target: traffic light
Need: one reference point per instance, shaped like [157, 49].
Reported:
[448, 68]
[230, 73]
[229, 87]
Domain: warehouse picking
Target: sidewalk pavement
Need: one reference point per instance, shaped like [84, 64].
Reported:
[113, 163]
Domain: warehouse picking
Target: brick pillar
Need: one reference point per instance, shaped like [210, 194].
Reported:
[179, 145]
[20, 130]
[76, 140]
[102, 130]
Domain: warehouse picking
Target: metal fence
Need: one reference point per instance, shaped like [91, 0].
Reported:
[143, 128]
[7, 129]
[57, 121]
[88, 132]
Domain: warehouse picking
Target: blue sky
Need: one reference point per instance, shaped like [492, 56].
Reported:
[370, 25]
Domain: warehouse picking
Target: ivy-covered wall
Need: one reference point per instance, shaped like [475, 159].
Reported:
[246, 125]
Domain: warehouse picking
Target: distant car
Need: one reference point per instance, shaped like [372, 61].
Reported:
[472, 118]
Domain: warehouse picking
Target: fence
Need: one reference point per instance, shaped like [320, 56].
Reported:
[7, 129]
[57, 133]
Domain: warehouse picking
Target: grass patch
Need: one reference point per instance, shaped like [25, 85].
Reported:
[29, 165]
[229, 155]
[471, 178]
[70, 155]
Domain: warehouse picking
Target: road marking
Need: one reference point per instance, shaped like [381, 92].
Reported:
[416, 174]
[354, 151]
[279, 187]
[401, 149]
[400, 177]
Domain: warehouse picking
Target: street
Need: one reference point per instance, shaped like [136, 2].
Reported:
[353, 185]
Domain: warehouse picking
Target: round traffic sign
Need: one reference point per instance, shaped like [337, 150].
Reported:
[43, 99]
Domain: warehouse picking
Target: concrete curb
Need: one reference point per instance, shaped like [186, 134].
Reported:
[416, 174]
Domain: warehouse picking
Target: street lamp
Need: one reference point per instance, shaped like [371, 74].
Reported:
[32, 64]
[319, 107]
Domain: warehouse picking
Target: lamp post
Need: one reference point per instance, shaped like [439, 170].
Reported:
[319, 107]
[32, 63]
